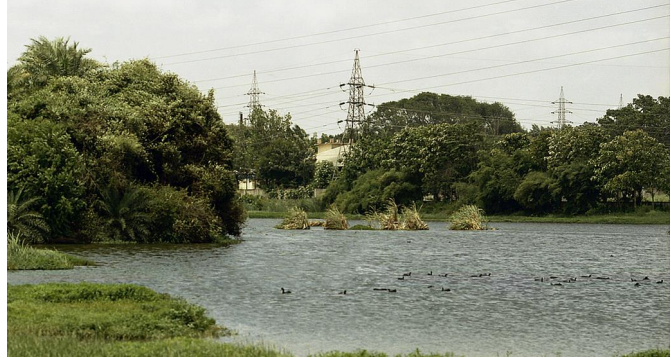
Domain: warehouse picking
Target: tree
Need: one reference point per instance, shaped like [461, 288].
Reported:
[324, 172]
[125, 212]
[569, 152]
[645, 112]
[44, 59]
[22, 220]
[538, 192]
[632, 162]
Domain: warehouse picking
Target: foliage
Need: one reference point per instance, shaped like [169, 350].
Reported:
[43, 162]
[324, 172]
[538, 192]
[497, 181]
[125, 212]
[649, 353]
[21, 220]
[646, 113]
[23, 257]
[387, 219]
[632, 162]
[468, 217]
[129, 124]
[335, 220]
[296, 219]
[372, 190]
[280, 153]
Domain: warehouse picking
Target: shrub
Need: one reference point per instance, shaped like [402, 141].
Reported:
[468, 217]
[411, 220]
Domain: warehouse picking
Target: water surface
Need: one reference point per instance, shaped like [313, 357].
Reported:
[507, 312]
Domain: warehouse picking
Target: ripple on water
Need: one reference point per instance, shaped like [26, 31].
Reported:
[506, 312]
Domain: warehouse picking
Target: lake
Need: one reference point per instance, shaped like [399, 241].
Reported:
[507, 312]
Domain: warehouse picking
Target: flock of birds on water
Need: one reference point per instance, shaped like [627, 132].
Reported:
[553, 281]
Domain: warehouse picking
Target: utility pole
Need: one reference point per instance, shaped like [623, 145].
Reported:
[253, 94]
[355, 113]
[561, 111]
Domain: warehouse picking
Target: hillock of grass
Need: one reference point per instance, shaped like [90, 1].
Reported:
[87, 319]
[23, 257]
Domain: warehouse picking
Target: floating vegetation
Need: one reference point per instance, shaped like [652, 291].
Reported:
[362, 227]
[390, 219]
[468, 217]
[296, 219]
[317, 223]
[411, 219]
[335, 220]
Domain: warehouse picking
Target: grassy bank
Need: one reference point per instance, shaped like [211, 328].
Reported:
[111, 320]
[651, 218]
[87, 319]
[24, 257]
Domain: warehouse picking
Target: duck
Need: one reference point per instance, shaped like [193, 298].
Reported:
[542, 279]
[637, 284]
[430, 286]
[343, 292]
[407, 273]
[633, 279]
[443, 275]
[391, 290]
[402, 278]
[588, 276]
[445, 289]
[660, 281]
[603, 278]
[555, 284]
[553, 277]
[285, 291]
[380, 289]
[645, 278]
[430, 273]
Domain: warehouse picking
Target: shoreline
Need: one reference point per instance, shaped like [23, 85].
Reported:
[651, 218]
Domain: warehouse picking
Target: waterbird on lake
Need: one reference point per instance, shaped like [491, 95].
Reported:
[445, 289]
[645, 278]
[402, 278]
[603, 278]
[444, 275]
[430, 273]
[542, 279]
[407, 274]
[430, 286]
[390, 290]
[553, 277]
[285, 291]
[555, 284]
[380, 289]
[637, 284]
[343, 292]
[633, 279]
[660, 281]
[588, 276]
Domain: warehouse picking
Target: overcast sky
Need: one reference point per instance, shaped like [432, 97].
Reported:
[517, 52]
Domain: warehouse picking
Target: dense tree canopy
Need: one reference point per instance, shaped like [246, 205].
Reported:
[102, 134]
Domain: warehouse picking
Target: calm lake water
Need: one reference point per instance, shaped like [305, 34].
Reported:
[505, 313]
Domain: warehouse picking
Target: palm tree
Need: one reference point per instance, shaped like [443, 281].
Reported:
[44, 59]
[21, 220]
[125, 212]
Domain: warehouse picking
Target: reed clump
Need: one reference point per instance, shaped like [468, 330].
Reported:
[20, 256]
[468, 217]
[296, 219]
[397, 218]
[335, 219]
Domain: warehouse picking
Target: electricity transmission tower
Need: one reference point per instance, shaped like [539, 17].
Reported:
[621, 105]
[561, 111]
[253, 94]
[355, 113]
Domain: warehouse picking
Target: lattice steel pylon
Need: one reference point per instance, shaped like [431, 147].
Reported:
[356, 113]
[621, 105]
[561, 111]
[253, 94]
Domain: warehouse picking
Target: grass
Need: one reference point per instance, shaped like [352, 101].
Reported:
[335, 220]
[23, 257]
[468, 217]
[87, 319]
[649, 353]
[295, 219]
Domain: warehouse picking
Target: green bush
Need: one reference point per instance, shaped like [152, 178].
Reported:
[23, 257]
[372, 190]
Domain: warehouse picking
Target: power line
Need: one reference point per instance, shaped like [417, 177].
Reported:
[464, 51]
[335, 31]
[456, 42]
[368, 35]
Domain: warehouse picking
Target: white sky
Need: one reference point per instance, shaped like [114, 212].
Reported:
[405, 47]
